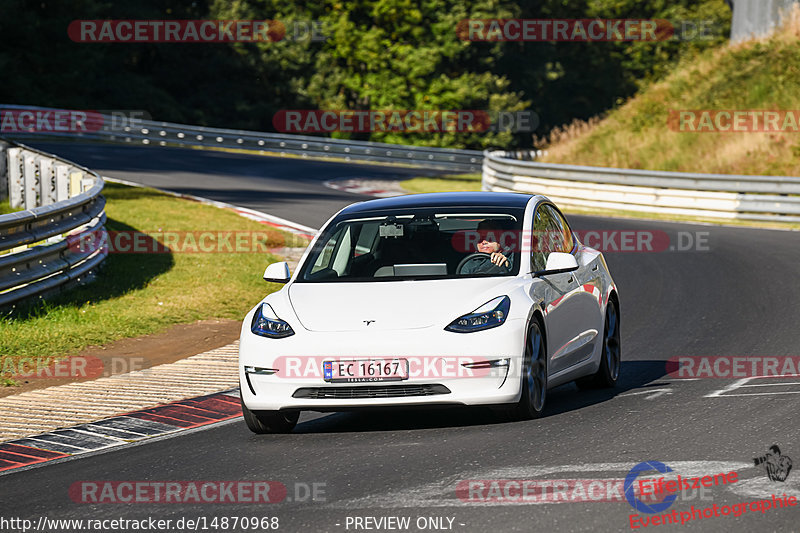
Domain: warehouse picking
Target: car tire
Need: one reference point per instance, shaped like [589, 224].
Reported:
[534, 378]
[610, 361]
[263, 422]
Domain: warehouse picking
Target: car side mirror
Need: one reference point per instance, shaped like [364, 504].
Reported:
[558, 263]
[278, 272]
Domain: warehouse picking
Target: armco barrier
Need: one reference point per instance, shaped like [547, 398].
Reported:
[716, 196]
[150, 132]
[60, 199]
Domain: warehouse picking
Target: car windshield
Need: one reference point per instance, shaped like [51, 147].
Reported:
[417, 245]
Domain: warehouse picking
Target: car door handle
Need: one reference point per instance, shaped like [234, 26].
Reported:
[571, 279]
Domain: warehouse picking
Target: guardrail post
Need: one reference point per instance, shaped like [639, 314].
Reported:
[15, 177]
[31, 182]
[33, 247]
[47, 182]
[62, 182]
[75, 183]
[3, 171]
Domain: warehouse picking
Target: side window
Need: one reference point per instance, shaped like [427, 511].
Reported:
[565, 242]
[551, 233]
[326, 254]
[335, 253]
[343, 252]
[540, 245]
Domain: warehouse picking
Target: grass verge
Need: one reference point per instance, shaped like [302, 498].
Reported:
[446, 183]
[647, 132]
[140, 294]
[5, 207]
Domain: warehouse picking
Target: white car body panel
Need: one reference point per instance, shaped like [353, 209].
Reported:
[414, 304]
[407, 319]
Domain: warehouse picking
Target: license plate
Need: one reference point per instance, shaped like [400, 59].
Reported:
[365, 370]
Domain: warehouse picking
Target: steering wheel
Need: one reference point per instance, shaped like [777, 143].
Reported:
[479, 259]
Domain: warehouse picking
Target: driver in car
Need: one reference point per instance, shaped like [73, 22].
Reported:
[497, 259]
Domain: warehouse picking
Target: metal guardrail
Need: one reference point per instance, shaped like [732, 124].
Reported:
[170, 134]
[717, 196]
[62, 203]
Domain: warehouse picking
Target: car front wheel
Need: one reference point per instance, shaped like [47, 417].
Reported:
[534, 378]
[270, 421]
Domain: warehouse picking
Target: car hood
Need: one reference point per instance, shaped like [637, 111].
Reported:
[391, 305]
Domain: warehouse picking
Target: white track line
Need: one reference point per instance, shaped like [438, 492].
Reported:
[733, 386]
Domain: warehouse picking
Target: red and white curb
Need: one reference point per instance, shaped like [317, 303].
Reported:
[277, 222]
[56, 423]
[51, 408]
[117, 431]
[366, 186]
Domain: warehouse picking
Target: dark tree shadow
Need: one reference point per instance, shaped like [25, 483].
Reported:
[120, 273]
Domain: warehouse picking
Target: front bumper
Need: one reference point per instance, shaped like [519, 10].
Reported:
[436, 362]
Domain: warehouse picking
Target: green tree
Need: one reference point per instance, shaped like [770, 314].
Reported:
[386, 55]
[378, 55]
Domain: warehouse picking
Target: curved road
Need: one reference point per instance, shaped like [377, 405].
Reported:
[735, 297]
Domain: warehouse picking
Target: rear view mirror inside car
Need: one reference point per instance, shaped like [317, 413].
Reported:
[391, 230]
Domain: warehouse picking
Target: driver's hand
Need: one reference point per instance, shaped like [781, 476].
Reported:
[499, 259]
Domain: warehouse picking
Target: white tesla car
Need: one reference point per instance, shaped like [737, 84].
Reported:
[431, 299]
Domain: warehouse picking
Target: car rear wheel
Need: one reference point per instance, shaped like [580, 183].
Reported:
[610, 362]
[270, 421]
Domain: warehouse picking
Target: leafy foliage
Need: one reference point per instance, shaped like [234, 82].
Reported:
[378, 55]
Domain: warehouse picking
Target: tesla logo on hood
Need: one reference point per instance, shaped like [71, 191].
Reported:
[368, 322]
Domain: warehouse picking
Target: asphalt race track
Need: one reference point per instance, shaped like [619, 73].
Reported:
[736, 296]
[273, 185]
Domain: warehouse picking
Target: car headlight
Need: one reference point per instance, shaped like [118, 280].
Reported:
[267, 324]
[489, 315]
